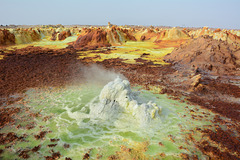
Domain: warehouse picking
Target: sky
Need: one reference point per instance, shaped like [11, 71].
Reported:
[183, 13]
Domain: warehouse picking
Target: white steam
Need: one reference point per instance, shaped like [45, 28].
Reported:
[98, 75]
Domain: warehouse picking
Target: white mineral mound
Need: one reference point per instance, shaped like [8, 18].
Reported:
[117, 97]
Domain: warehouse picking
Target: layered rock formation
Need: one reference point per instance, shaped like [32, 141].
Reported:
[173, 34]
[148, 34]
[6, 37]
[60, 35]
[156, 35]
[118, 36]
[206, 54]
[231, 36]
[29, 35]
[91, 39]
[64, 34]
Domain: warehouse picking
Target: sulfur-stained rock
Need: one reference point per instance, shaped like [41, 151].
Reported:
[217, 30]
[63, 35]
[54, 36]
[92, 39]
[6, 37]
[232, 38]
[28, 35]
[196, 80]
[117, 36]
[175, 33]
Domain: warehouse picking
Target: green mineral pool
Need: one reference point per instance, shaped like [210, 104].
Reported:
[65, 113]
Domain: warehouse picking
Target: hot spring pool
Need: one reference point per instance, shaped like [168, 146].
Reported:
[65, 114]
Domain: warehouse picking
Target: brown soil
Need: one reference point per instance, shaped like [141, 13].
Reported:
[55, 155]
[226, 140]
[41, 135]
[34, 67]
[24, 154]
[54, 140]
[226, 109]
[36, 148]
[6, 115]
[10, 138]
[52, 145]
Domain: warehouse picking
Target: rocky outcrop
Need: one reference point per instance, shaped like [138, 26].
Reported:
[64, 34]
[54, 36]
[28, 35]
[60, 35]
[173, 34]
[230, 36]
[6, 37]
[117, 36]
[149, 34]
[207, 55]
[127, 33]
[157, 34]
[92, 39]
[114, 36]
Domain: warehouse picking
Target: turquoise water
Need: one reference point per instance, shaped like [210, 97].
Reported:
[66, 114]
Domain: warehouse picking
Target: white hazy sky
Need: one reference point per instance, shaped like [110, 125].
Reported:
[185, 13]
